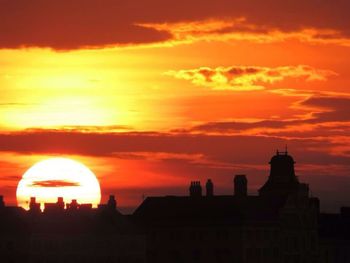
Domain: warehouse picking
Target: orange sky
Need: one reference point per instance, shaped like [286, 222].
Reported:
[152, 94]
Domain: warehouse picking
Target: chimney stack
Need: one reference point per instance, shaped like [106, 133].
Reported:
[60, 203]
[34, 207]
[240, 185]
[73, 206]
[209, 187]
[195, 189]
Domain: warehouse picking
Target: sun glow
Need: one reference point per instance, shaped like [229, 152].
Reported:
[58, 177]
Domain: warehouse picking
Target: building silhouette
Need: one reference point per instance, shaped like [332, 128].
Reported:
[282, 224]
[72, 233]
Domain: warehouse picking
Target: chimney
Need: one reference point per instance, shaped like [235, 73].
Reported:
[73, 206]
[195, 189]
[240, 185]
[60, 203]
[34, 207]
[209, 187]
[112, 203]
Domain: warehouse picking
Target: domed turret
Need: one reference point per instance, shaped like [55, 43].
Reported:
[282, 167]
[282, 179]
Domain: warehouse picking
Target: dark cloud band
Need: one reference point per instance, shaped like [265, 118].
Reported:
[54, 183]
[65, 24]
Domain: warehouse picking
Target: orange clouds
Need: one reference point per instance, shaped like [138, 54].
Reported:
[324, 116]
[239, 29]
[66, 25]
[248, 78]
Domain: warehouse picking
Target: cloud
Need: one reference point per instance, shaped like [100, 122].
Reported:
[217, 148]
[85, 128]
[236, 126]
[329, 108]
[325, 114]
[248, 77]
[54, 183]
[65, 24]
[318, 135]
[241, 30]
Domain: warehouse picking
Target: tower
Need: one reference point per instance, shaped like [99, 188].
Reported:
[240, 185]
[282, 180]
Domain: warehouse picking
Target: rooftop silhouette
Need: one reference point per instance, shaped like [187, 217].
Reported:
[283, 223]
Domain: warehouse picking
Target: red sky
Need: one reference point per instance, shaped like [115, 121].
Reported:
[153, 94]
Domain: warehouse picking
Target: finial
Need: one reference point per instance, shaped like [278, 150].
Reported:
[277, 153]
[286, 149]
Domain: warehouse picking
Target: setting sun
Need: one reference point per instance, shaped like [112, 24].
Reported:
[58, 177]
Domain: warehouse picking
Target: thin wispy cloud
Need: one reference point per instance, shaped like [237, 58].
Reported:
[54, 183]
[242, 78]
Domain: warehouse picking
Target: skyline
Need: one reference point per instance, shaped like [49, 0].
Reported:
[151, 95]
[68, 192]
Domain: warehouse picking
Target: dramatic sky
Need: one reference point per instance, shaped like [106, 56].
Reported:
[151, 94]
